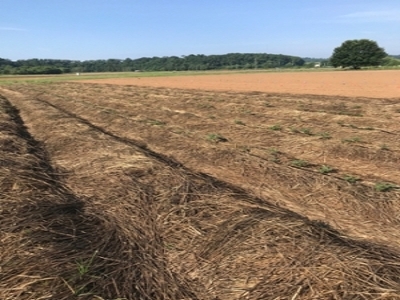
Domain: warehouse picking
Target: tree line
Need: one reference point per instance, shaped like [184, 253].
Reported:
[351, 54]
[191, 62]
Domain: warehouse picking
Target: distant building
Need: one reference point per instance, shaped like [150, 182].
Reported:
[317, 65]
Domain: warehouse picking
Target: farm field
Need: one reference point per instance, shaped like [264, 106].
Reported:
[376, 84]
[203, 187]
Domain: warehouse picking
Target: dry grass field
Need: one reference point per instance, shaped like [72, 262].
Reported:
[143, 189]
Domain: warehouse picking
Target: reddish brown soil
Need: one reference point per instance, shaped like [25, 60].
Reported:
[376, 84]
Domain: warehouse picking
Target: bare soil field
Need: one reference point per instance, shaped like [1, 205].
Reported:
[113, 191]
[376, 84]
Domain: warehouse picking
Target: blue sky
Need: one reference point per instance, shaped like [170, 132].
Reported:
[102, 29]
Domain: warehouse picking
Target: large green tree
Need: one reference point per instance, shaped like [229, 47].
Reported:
[358, 53]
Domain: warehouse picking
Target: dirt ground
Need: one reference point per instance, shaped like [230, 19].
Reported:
[376, 84]
[194, 192]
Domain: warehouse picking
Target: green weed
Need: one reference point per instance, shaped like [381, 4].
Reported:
[384, 186]
[276, 127]
[274, 155]
[273, 151]
[385, 147]
[306, 131]
[325, 169]
[238, 122]
[351, 179]
[355, 139]
[294, 130]
[156, 123]
[216, 138]
[84, 266]
[325, 136]
[299, 163]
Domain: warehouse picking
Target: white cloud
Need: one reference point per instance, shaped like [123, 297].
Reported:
[373, 16]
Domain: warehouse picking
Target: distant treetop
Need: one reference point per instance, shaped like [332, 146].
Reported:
[358, 53]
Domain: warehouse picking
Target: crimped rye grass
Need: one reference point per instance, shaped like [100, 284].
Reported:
[194, 219]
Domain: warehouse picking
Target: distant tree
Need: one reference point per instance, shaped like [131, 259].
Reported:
[358, 53]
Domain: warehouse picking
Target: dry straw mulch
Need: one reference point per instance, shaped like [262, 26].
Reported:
[154, 229]
[57, 246]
